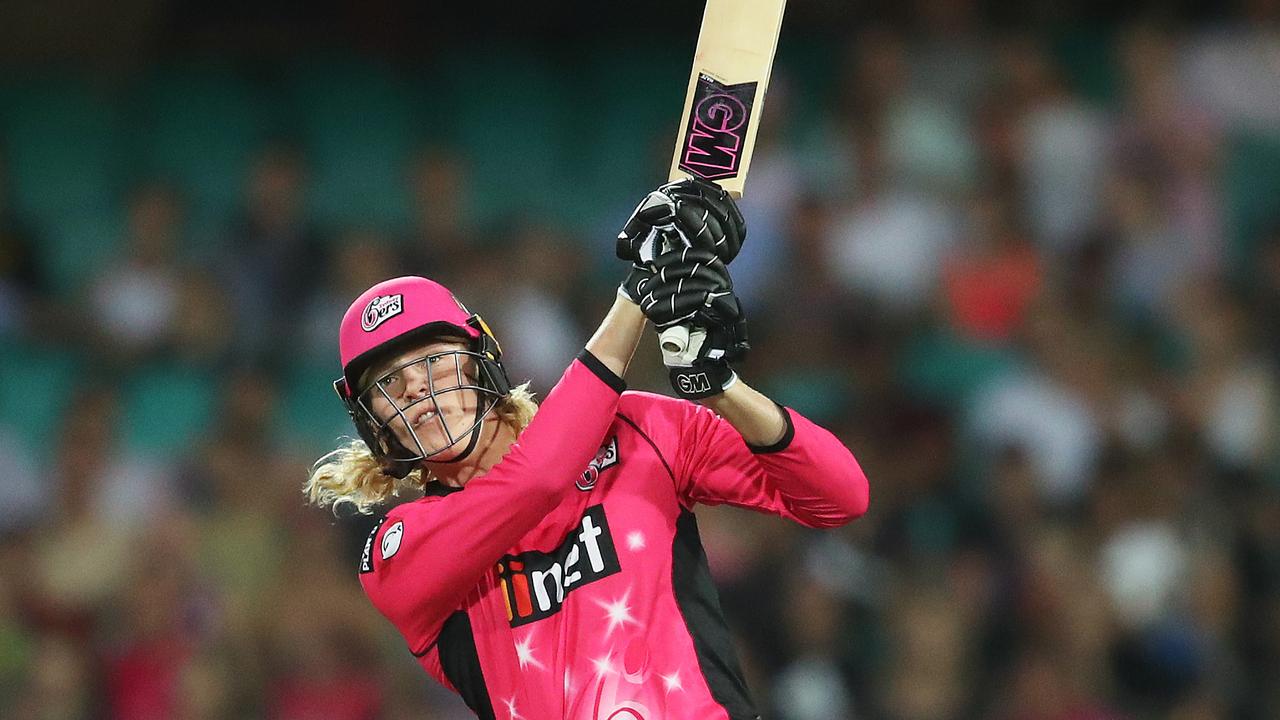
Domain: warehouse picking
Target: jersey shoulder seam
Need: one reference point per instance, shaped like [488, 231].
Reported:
[656, 450]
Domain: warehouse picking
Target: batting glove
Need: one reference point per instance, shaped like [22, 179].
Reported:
[692, 287]
[693, 213]
[633, 285]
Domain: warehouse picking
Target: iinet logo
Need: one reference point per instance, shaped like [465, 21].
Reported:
[534, 584]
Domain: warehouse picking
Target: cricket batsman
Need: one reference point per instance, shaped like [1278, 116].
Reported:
[552, 569]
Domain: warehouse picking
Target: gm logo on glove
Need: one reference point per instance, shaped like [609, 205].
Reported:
[694, 383]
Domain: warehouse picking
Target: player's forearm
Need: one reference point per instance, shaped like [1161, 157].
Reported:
[614, 342]
[757, 418]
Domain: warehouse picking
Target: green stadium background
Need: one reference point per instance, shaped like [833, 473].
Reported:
[1062, 382]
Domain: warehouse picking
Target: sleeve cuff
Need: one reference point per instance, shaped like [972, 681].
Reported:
[787, 436]
[598, 369]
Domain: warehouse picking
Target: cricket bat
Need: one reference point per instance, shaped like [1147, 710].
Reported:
[722, 107]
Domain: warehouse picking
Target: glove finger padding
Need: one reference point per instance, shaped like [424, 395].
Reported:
[703, 281]
[691, 285]
[694, 301]
[673, 303]
[691, 261]
[691, 212]
[703, 229]
[723, 309]
[634, 284]
[697, 200]
[656, 210]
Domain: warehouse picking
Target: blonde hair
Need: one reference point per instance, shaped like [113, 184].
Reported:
[351, 475]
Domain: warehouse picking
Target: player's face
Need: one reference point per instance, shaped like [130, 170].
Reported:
[425, 397]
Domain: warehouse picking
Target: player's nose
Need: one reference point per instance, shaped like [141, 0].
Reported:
[417, 381]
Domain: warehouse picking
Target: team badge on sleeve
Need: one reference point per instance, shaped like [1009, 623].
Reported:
[391, 539]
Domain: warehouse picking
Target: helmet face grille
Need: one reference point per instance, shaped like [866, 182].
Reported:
[407, 408]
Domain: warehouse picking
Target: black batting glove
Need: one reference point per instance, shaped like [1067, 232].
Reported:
[692, 212]
[692, 287]
[707, 216]
[632, 287]
[641, 223]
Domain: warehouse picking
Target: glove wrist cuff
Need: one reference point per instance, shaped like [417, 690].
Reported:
[702, 380]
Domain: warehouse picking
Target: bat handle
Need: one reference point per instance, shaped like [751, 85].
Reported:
[675, 339]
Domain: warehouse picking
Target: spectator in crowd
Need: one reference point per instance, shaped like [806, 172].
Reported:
[441, 237]
[135, 302]
[272, 255]
[24, 286]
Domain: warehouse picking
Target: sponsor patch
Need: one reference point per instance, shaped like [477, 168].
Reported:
[536, 583]
[391, 539]
[606, 457]
[381, 309]
[366, 557]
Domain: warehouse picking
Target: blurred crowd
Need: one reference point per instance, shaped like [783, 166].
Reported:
[1035, 288]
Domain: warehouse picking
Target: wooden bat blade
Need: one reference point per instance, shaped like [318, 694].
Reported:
[726, 92]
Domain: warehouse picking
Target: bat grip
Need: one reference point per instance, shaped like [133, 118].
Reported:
[675, 339]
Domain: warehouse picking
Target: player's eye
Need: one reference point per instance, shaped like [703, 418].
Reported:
[389, 382]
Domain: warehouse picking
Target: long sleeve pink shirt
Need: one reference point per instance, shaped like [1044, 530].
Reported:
[569, 582]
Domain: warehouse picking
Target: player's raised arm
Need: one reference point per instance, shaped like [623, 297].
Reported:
[614, 342]
[747, 450]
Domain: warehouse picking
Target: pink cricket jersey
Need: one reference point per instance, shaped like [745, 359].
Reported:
[569, 582]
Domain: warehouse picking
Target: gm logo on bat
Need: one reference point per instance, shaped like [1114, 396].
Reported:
[717, 128]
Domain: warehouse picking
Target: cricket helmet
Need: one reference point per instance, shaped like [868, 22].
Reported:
[390, 318]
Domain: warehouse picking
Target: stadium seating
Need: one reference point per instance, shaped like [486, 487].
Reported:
[310, 414]
[167, 407]
[359, 124]
[36, 385]
[197, 127]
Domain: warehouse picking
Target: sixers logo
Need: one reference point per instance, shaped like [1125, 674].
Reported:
[379, 310]
[607, 456]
